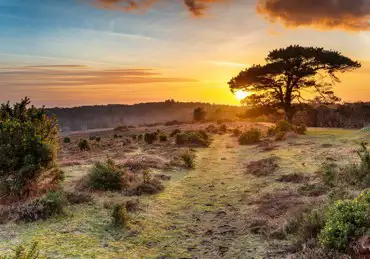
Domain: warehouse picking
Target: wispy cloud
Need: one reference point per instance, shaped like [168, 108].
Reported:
[225, 63]
[70, 76]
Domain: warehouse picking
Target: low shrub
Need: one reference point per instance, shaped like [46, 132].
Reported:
[149, 138]
[250, 137]
[222, 128]
[97, 139]
[119, 216]
[105, 176]
[237, 132]
[192, 138]
[306, 223]
[78, 197]
[140, 137]
[84, 145]
[263, 167]
[283, 127]
[163, 137]
[181, 138]
[175, 132]
[46, 206]
[152, 186]
[211, 128]
[67, 140]
[22, 253]
[188, 159]
[91, 138]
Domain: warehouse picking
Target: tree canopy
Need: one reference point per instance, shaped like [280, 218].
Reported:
[288, 73]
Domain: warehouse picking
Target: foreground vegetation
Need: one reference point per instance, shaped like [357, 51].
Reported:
[196, 190]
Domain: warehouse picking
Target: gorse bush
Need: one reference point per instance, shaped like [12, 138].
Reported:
[46, 206]
[22, 253]
[250, 137]
[28, 145]
[84, 145]
[345, 220]
[105, 176]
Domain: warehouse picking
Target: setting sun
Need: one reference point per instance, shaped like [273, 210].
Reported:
[240, 95]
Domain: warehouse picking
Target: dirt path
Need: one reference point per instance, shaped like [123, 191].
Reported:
[205, 215]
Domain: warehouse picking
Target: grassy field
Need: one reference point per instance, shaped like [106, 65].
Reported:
[219, 209]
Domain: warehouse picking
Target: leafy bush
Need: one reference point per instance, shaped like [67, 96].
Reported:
[105, 176]
[21, 252]
[44, 207]
[84, 145]
[67, 140]
[149, 138]
[28, 145]
[119, 216]
[188, 159]
[344, 220]
[250, 137]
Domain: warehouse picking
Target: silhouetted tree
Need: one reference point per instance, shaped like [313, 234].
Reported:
[289, 71]
[199, 114]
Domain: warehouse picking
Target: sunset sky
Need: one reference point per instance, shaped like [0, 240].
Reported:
[80, 52]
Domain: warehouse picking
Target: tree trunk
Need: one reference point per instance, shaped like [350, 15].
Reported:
[289, 113]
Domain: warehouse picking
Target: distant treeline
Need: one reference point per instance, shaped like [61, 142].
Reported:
[348, 115]
[110, 116]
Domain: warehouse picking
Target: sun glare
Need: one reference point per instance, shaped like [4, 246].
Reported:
[240, 95]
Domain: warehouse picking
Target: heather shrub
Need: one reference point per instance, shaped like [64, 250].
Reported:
[175, 132]
[46, 206]
[250, 137]
[28, 144]
[84, 145]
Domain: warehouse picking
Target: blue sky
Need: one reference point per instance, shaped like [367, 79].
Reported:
[193, 58]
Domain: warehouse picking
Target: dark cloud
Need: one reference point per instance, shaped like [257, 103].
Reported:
[326, 14]
[196, 7]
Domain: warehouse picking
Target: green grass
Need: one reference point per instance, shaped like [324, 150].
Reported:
[175, 221]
